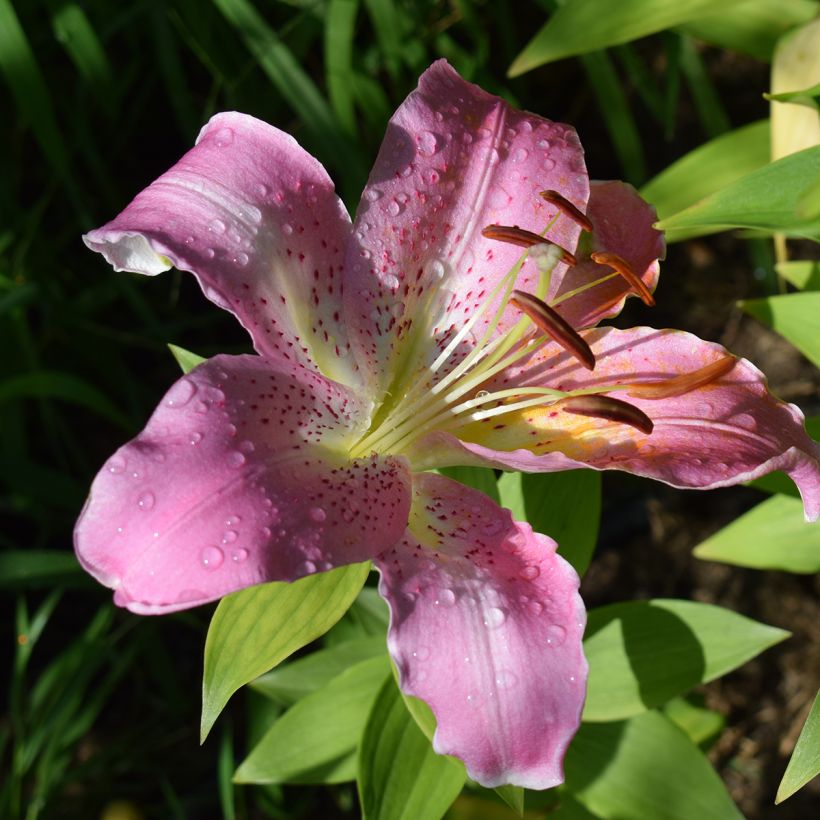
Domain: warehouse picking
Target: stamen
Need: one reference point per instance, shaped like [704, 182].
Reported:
[567, 208]
[604, 407]
[685, 383]
[524, 239]
[554, 325]
[622, 266]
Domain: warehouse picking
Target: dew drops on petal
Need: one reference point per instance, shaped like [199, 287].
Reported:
[556, 635]
[306, 568]
[224, 137]
[446, 597]
[229, 536]
[116, 464]
[236, 459]
[217, 226]
[246, 446]
[520, 154]
[530, 572]
[494, 617]
[422, 653]
[146, 501]
[536, 607]
[181, 393]
[232, 521]
[241, 259]
[428, 144]
[195, 437]
[239, 555]
[317, 514]
[505, 679]
[211, 557]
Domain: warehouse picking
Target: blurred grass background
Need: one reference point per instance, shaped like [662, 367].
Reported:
[98, 98]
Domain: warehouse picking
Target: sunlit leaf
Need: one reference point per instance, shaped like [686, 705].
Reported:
[641, 768]
[313, 740]
[400, 776]
[643, 653]
[765, 199]
[580, 27]
[803, 274]
[795, 316]
[707, 169]
[805, 760]
[185, 359]
[772, 535]
[700, 724]
[256, 628]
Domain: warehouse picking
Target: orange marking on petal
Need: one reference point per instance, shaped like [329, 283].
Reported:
[567, 208]
[622, 267]
[554, 325]
[684, 383]
[605, 407]
[524, 239]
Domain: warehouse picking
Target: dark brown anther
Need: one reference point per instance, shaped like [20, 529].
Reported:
[567, 208]
[622, 266]
[685, 383]
[551, 323]
[524, 239]
[604, 407]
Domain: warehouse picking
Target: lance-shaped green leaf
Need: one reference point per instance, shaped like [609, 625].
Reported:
[751, 27]
[772, 535]
[400, 776]
[580, 27]
[644, 767]
[643, 653]
[701, 725]
[316, 739]
[292, 681]
[765, 199]
[566, 506]
[707, 169]
[804, 274]
[795, 316]
[185, 359]
[256, 628]
[806, 96]
[805, 760]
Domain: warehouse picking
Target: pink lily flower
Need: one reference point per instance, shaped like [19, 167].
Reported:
[449, 324]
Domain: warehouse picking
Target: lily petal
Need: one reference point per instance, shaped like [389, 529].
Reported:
[722, 433]
[240, 477]
[622, 224]
[486, 627]
[454, 160]
[256, 219]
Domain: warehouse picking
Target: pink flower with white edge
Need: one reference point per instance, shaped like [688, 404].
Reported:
[449, 324]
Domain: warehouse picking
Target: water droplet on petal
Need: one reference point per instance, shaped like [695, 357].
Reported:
[232, 521]
[536, 607]
[229, 536]
[394, 208]
[422, 653]
[211, 557]
[181, 393]
[217, 226]
[317, 514]
[556, 635]
[306, 568]
[391, 281]
[116, 464]
[446, 597]
[530, 572]
[146, 501]
[506, 679]
[241, 259]
[224, 137]
[494, 617]
[239, 555]
[236, 459]
[246, 446]
[549, 164]
[428, 144]
[195, 437]
[520, 154]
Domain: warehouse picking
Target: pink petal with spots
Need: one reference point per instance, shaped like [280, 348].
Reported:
[486, 627]
[622, 224]
[240, 477]
[454, 160]
[724, 433]
[256, 219]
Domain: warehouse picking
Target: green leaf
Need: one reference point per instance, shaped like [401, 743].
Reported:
[313, 741]
[293, 681]
[804, 274]
[752, 26]
[805, 760]
[400, 776]
[700, 724]
[707, 169]
[256, 628]
[641, 768]
[795, 316]
[807, 96]
[583, 26]
[566, 506]
[808, 206]
[185, 359]
[643, 653]
[772, 535]
[513, 796]
[51, 384]
[25, 569]
[765, 199]
[339, 30]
